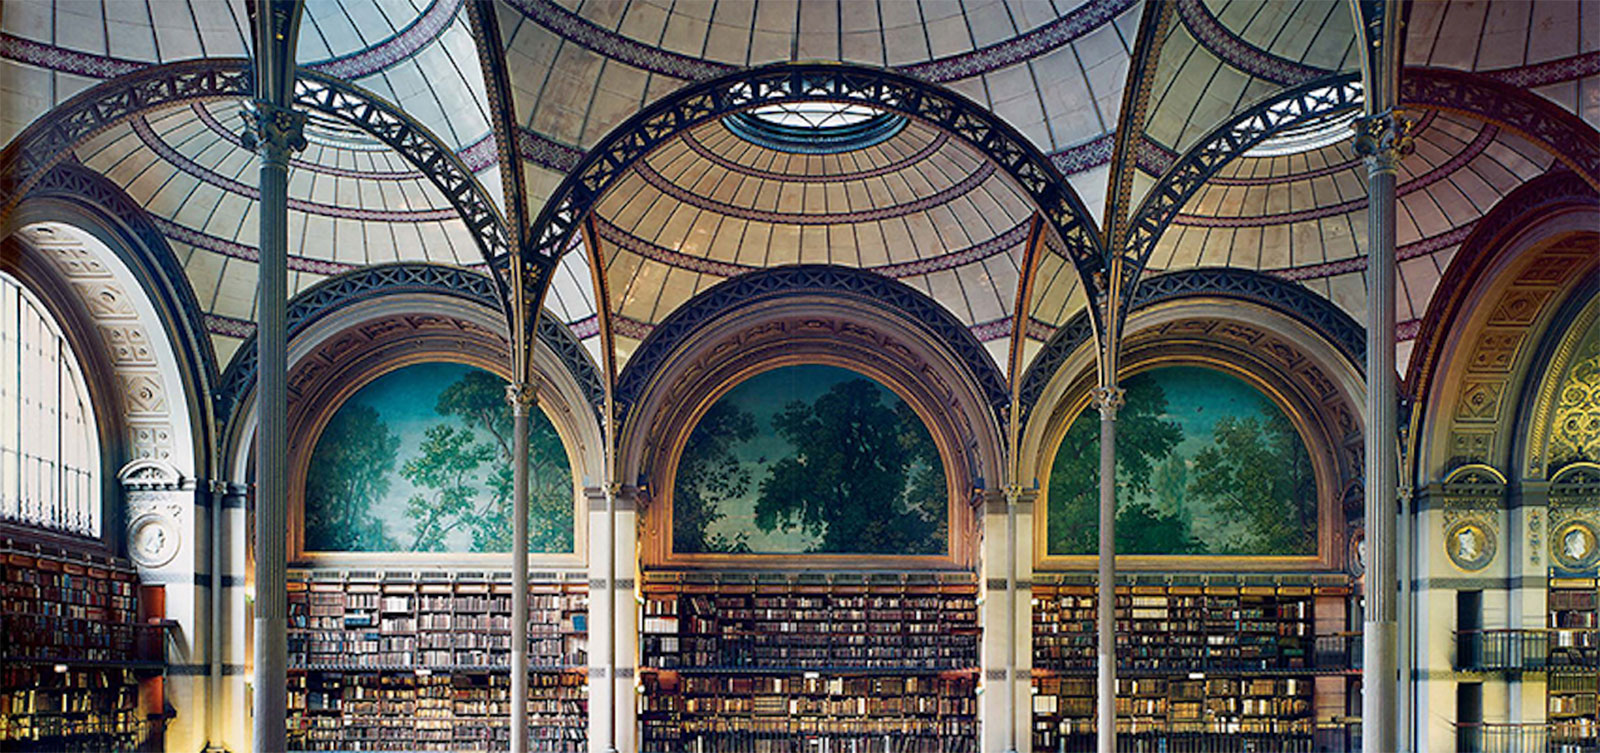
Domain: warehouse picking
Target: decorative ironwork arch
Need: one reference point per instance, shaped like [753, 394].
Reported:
[1317, 99]
[552, 233]
[744, 290]
[52, 138]
[382, 280]
[1295, 301]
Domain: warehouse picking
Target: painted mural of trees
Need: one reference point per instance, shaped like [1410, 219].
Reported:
[709, 474]
[1259, 474]
[1246, 489]
[458, 475]
[478, 400]
[1144, 440]
[355, 456]
[854, 479]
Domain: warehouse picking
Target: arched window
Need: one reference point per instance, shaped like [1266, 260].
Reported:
[49, 453]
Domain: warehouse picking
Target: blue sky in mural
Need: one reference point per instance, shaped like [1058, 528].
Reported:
[404, 399]
[1196, 399]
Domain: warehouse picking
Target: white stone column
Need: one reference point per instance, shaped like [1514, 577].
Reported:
[625, 622]
[522, 400]
[995, 651]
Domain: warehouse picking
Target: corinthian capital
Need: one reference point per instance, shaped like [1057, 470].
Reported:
[1107, 400]
[1385, 137]
[273, 127]
[522, 397]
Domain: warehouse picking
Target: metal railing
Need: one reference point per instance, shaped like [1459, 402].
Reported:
[1326, 737]
[1534, 737]
[1531, 649]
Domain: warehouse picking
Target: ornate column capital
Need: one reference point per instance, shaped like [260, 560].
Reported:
[1383, 138]
[273, 128]
[1107, 400]
[522, 398]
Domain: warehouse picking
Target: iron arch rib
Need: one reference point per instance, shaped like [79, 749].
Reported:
[551, 234]
[1318, 99]
[51, 139]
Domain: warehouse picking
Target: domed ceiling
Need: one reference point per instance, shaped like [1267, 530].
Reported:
[917, 204]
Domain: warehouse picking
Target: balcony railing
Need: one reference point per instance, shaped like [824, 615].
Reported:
[1327, 737]
[1528, 649]
[1492, 737]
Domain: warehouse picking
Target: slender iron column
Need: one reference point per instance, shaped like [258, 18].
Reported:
[1107, 400]
[1380, 633]
[522, 399]
[276, 132]
[1382, 137]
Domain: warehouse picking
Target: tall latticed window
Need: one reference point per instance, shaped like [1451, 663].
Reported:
[49, 454]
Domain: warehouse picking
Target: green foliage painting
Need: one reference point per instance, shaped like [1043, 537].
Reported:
[810, 460]
[419, 460]
[1206, 464]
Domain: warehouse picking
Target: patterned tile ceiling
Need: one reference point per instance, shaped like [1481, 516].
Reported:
[920, 207]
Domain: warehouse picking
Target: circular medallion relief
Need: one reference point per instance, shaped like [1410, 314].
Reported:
[1576, 545]
[1469, 545]
[152, 540]
[1357, 556]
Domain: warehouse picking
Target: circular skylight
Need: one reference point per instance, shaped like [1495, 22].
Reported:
[1321, 130]
[815, 127]
[817, 115]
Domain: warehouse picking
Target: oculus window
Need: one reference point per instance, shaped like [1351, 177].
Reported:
[49, 451]
[815, 127]
[419, 460]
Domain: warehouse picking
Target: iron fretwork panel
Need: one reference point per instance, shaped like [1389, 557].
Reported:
[667, 336]
[1293, 300]
[1323, 98]
[53, 137]
[551, 234]
[337, 293]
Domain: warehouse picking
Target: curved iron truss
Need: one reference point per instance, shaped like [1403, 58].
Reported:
[552, 233]
[1318, 99]
[331, 295]
[844, 282]
[52, 138]
[1318, 313]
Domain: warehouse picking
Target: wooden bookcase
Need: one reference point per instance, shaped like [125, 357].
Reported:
[80, 665]
[777, 663]
[421, 661]
[1573, 687]
[1197, 657]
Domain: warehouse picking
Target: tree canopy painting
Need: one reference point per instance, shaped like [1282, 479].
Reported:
[419, 460]
[1206, 464]
[810, 460]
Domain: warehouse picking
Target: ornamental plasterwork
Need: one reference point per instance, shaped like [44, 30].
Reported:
[1575, 428]
[156, 496]
[1575, 516]
[1485, 379]
[1473, 496]
[141, 390]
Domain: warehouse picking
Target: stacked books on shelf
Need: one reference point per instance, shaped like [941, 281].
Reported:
[71, 652]
[1574, 664]
[1194, 660]
[774, 663]
[407, 661]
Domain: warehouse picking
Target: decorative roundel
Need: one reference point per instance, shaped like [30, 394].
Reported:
[1576, 545]
[1469, 544]
[1357, 554]
[152, 540]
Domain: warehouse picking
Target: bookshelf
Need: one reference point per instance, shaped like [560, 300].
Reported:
[421, 661]
[1196, 657]
[780, 663]
[1573, 685]
[79, 667]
